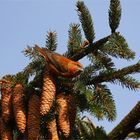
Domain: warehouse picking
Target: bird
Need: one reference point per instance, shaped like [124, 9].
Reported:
[59, 65]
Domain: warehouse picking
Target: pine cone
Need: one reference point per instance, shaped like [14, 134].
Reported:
[33, 118]
[18, 104]
[6, 103]
[52, 129]
[5, 132]
[66, 113]
[48, 94]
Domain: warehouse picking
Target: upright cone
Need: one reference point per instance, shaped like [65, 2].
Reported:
[33, 122]
[66, 113]
[19, 110]
[48, 94]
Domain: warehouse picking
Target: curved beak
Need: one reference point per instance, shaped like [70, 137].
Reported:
[80, 69]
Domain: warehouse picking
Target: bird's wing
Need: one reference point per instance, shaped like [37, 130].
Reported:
[54, 58]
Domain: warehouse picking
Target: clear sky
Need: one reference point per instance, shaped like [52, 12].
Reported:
[26, 22]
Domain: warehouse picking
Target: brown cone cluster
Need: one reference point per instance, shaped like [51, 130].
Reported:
[19, 110]
[48, 94]
[13, 105]
[33, 121]
[66, 113]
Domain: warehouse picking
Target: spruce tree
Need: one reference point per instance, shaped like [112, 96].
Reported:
[68, 98]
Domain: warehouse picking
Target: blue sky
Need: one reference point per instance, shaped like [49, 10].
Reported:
[26, 22]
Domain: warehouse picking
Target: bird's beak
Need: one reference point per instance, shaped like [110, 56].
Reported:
[80, 70]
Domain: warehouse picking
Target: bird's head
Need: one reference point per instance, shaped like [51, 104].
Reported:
[75, 67]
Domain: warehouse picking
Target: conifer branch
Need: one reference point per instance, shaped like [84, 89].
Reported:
[111, 76]
[35, 66]
[103, 100]
[129, 82]
[91, 48]
[21, 78]
[114, 14]
[75, 39]
[86, 21]
[117, 46]
[101, 59]
[29, 52]
[127, 125]
[97, 100]
[51, 41]
[86, 130]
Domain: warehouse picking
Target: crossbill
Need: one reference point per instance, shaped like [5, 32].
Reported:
[60, 65]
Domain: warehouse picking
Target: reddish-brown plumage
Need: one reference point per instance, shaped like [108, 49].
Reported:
[6, 100]
[18, 107]
[66, 113]
[33, 123]
[48, 94]
[60, 65]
